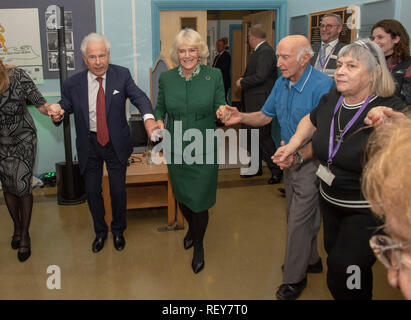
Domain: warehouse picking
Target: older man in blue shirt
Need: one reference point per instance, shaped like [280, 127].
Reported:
[294, 95]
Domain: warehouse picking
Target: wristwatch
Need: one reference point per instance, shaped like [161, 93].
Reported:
[300, 159]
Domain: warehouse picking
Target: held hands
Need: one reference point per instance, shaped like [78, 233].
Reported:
[284, 156]
[55, 112]
[377, 115]
[228, 115]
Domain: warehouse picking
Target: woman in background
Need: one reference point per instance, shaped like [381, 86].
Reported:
[394, 41]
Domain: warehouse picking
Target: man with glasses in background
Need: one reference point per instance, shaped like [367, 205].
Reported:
[326, 52]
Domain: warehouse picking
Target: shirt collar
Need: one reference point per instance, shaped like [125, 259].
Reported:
[258, 45]
[195, 72]
[93, 77]
[300, 84]
[332, 44]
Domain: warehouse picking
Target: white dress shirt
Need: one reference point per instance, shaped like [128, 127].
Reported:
[93, 86]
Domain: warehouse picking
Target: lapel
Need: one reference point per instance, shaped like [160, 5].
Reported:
[110, 82]
[83, 92]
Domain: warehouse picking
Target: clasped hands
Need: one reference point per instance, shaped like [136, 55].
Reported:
[55, 112]
[228, 115]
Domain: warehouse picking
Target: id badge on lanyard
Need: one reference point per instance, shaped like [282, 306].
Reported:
[323, 172]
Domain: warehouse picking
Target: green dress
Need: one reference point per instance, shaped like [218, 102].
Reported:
[191, 104]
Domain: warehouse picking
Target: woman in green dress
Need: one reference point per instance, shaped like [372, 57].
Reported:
[188, 98]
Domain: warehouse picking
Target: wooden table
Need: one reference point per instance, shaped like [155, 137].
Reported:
[147, 186]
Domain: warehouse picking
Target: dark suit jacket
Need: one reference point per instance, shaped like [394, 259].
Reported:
[119, 87]
[259, 77]
[223, 62]
[332, 61]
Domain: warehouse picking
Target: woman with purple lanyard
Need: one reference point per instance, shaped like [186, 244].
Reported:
[338, 133]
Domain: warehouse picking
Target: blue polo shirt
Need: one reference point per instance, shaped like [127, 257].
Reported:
[291, 102]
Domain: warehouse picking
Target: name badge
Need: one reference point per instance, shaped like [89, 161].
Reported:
[325, 175]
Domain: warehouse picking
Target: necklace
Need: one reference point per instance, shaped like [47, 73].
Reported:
[338, 136]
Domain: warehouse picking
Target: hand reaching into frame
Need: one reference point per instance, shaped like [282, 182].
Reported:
[377, 115]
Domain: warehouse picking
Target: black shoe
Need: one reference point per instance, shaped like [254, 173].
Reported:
[282, 190]
[316, 267]
[312, 268]
[259, 173]
[23, 255]
[15, 241]
[197, 267]
[275, 178]
[291, 291]
[98, 244]
[119, 242]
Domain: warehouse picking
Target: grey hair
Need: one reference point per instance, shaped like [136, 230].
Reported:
[303, 50]
[94, 37]
[189, 37]
[337, 16]
[372, 57]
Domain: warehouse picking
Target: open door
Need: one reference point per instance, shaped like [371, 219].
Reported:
[171, 22]
[241, 49]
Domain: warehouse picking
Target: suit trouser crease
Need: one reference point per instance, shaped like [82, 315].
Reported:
[93, 178]
[303, 220]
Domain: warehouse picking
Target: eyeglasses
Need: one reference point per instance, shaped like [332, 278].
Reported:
[328, 26]
[387, 251]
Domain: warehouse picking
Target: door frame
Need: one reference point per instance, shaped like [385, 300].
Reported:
[280, 7]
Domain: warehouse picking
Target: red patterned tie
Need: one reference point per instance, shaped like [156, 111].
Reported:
[102, 131]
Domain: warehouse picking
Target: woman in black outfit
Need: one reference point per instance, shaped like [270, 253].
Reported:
[394, 41]
[336, 127]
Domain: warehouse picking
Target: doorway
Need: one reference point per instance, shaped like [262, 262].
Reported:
[279, 6]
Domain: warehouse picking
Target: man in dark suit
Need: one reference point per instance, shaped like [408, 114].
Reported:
[97, 98]
[326, 51]
[222, 61]
[256, 84]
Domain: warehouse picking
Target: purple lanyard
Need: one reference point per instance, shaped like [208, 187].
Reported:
[331, 150]
[322, 65]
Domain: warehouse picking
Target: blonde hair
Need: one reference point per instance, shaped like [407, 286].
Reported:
[386, 180]
[191, 38]
[372, 57]
[4, 76]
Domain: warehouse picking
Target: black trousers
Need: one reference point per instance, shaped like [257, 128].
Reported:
[267, 146]
[117, 180]
[346, 239]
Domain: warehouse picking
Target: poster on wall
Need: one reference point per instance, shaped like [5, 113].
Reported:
[20, 40]
[52, 40]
